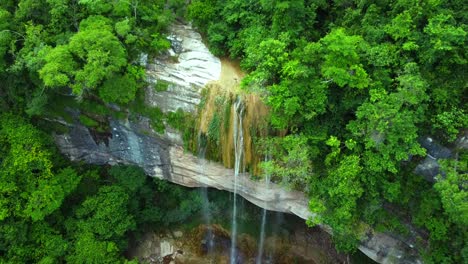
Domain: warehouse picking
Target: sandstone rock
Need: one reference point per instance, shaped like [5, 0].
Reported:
[192, 69]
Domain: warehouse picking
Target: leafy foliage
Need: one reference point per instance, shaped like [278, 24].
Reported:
[57, 55]
[354, 85]
[30, 188]
[98, 54]
[75, 214]
[91, 47]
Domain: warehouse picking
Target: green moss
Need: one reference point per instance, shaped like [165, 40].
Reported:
[52, 126]
[86, 121]
[177, 119]
[190, 135]
[203, 98]
[219, 101]
[119, 115]
[214, 129]
[184, 122]
[94, 107]
[91, 105]
[139, 108]
[157, 121]
[227, 115]
[161, 85]
[57, 107]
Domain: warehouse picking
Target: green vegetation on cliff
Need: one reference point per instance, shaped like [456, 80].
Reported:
[356, 84]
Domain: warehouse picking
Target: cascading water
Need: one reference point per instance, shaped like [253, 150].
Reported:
[239, 153]
[262, 230]
[209, 241]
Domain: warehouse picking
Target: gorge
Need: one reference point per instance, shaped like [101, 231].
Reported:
[187, 69]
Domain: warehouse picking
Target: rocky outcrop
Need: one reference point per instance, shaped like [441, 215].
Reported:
[188, 67]
[429, 168]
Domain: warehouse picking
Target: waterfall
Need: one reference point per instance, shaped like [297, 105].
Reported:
[208, 237]
[275, 229]
[264, 213]
[238, 152]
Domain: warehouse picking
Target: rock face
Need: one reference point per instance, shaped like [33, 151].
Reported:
[162, 157]
[187, 67]
[429, 168]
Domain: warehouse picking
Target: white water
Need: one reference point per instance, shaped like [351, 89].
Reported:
[239, 152]
[262, 230]
[204, 195]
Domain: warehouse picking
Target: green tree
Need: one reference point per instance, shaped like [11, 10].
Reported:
[341, 54]
[5, 37]
[93, 55]
[119, 89]
[59, 68]
[105, 214]
[130, 177]
[387, 126]
[30, 187]
[202, 12]
[267, 60]
[452, 189]
[445, 37]
[87, 249]
[290, 161]
[31, 191]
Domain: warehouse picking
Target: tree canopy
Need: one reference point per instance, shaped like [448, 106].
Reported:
[360, 83]
[352, 87]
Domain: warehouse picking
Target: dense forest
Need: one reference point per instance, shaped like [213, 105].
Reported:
[355, 83]
[80, 54]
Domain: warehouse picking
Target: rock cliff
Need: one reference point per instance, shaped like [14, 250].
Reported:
[187, 67]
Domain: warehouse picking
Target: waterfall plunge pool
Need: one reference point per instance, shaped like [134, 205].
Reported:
[287, 239]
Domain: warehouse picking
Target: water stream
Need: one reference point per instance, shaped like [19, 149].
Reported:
[262, 228]
[209, 241]
[238, 152]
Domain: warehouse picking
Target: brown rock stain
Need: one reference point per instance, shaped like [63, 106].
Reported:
[225, 90]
